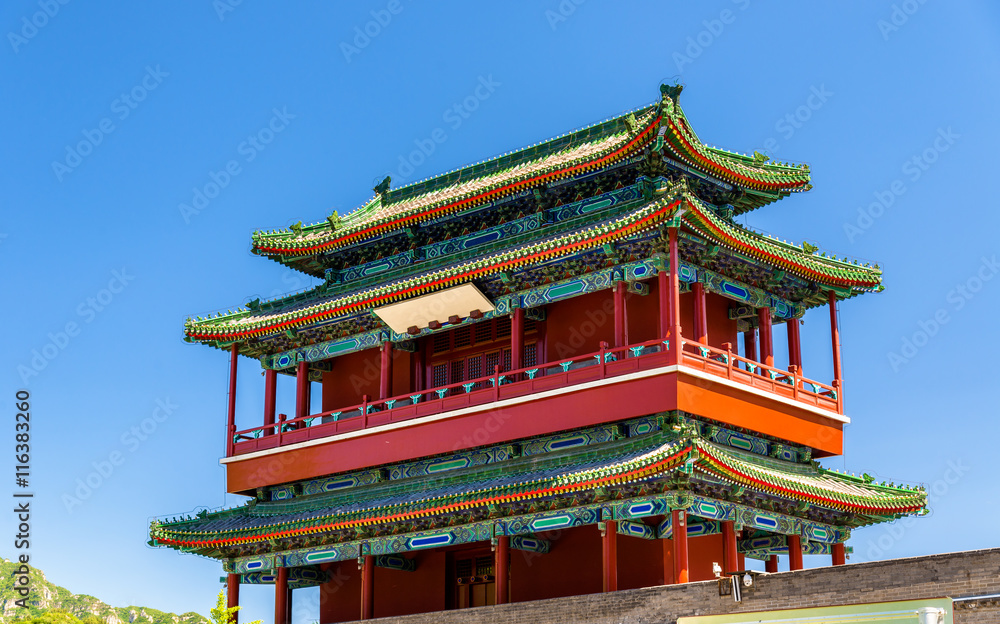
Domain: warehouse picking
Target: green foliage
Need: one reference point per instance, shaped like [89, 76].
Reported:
[222, 614]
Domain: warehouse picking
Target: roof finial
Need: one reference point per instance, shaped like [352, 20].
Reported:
[383, 186]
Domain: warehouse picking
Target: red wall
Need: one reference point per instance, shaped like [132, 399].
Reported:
[358, 373]
[578, 325]
[720, 328]
[571, 568]
[640, 562]
[702, 551]
[340, 597]
[396, 592]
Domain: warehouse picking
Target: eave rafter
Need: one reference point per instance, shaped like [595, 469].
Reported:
[680, 462]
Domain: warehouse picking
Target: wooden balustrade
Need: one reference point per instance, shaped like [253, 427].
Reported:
[501, 385]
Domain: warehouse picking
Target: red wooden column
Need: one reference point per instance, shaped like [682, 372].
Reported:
[663, 294]
[674, 296]
[501, 568]
[750, 344]
[385, 368]
[418, 369]
[835, 337]
[730, 556]
[619, 296]
[270, 394]
[609, 555]
[302, 389]
[680, 539]
[700, 314]
[517, 339]
[839, 554]
[231, 415]
[771, 564]
[233, 594]
[794, 552]
[368, 587]
[794, 344]
[281, 597]
[766, 339]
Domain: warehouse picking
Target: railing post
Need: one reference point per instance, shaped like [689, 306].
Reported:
[794, 370]
[729, 359]
[364, 411]
[231, 412]
[496, 383]
[604, 367]
[281, 425]
[840, 395]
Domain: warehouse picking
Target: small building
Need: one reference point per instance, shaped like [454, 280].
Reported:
[547, 374]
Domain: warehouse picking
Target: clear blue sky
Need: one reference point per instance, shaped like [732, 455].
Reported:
[164, 94]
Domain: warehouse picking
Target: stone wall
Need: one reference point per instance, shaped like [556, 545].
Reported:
[953, 575]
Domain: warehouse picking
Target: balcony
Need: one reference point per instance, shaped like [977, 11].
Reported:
[607, 385]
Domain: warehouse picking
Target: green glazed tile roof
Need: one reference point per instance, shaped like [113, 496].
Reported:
[615, 463]
[315, 306]
[578, 152]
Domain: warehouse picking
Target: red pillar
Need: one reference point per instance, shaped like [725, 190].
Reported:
[233, 594]
[750, 344]
[501, 567]
[839, 554]
[385, 368]
[794, 345]
[674, 295]
[680, 539]
[771, 564]
[835, 337]
[368, 588]
[766, 341]
[700, 314]
[609, 555]
[302, 389]
[517, 339]
[794, 552]
[281, 596]
[270, 392]
[663, 294]
[619, 296]
[231, 416]
[730, 556]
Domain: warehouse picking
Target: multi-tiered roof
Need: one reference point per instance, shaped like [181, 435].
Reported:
[538, 215]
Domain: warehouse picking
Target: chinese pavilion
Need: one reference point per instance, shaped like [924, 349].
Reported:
[547, 374]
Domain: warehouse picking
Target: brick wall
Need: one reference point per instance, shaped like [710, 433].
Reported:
[954, 575]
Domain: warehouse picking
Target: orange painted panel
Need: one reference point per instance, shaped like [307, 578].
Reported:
[735, 407]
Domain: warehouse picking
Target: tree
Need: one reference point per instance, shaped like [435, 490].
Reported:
[222, 614]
